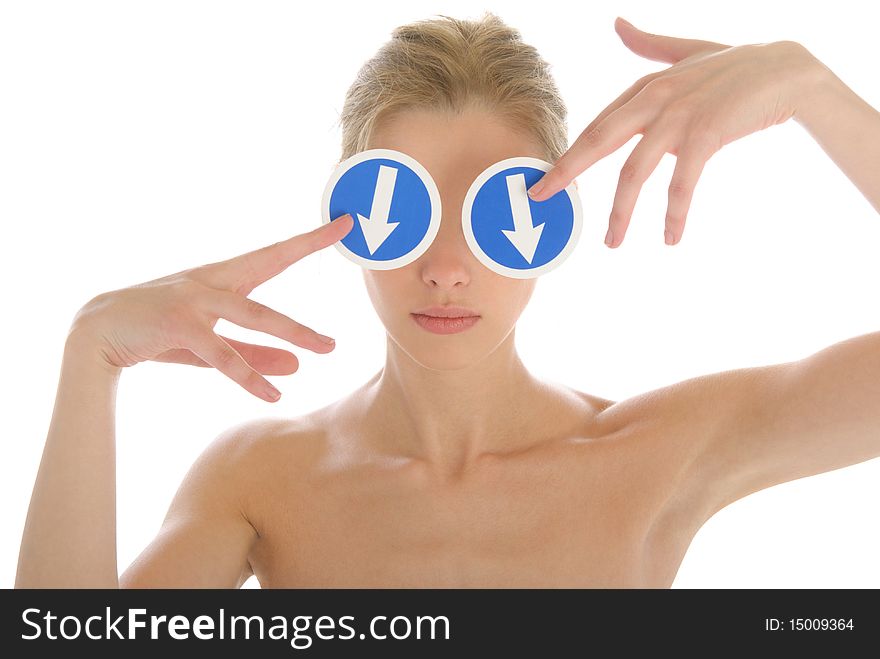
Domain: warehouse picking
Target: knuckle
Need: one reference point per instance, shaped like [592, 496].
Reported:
[187, 274]
[639, 89]
[192, 274]
[645, 79]
[659, 87]
[679, 189]
[617, 218]
[256, 309]
[629, 172]
[674, 220]
[788, 45]
[249, 267]
[273, 255]
[226, 357]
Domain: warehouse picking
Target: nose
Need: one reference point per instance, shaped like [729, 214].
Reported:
[448, 262]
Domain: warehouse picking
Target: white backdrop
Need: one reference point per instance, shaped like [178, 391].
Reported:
[138, 139]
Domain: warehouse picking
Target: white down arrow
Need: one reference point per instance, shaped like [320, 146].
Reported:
[376, 227]
[524, 236]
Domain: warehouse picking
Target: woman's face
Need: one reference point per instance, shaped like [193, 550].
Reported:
[454, 150]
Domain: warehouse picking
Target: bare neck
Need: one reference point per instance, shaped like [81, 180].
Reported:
[449, 418]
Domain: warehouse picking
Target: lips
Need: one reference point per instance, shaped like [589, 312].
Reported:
[446, 320]
[447, 312]
[445, 325]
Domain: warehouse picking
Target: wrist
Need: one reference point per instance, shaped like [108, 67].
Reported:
[82, 348]
[815, 89]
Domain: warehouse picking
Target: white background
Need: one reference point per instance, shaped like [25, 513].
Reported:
[138, 139]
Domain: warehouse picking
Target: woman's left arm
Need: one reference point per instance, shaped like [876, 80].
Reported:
[746, 429]
[846, 127]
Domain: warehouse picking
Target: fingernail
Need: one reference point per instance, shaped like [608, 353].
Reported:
[669, 237]
[273, 393]
[625, 21]
[535, 190]
[609, 237]
[327, 339]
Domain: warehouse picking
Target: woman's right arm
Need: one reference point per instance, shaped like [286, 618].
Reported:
[70, 534]
[69, 538]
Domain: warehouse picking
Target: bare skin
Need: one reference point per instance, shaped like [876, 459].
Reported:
[401, 483]
[582, 504]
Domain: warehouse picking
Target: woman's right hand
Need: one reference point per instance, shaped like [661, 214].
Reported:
[172, 319]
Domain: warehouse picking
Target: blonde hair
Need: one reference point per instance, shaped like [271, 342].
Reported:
[450, 64]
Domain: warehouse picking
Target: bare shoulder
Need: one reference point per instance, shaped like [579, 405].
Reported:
[211, 524]
[682, 426]
[701, 402]
[563, 400]
[593, 403]
[258, 448]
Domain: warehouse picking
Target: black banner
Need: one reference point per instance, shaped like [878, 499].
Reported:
[434, 622]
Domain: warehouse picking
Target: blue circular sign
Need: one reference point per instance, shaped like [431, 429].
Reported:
[509, 232]
[395, 205]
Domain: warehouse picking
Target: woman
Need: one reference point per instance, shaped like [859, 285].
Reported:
[453, 465]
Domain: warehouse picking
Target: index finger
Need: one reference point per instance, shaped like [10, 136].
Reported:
[245, 272]
[594, 143]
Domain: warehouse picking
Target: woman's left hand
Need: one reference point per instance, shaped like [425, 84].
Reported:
[712, 95]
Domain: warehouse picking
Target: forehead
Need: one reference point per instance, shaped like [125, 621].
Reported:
[454, 144]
